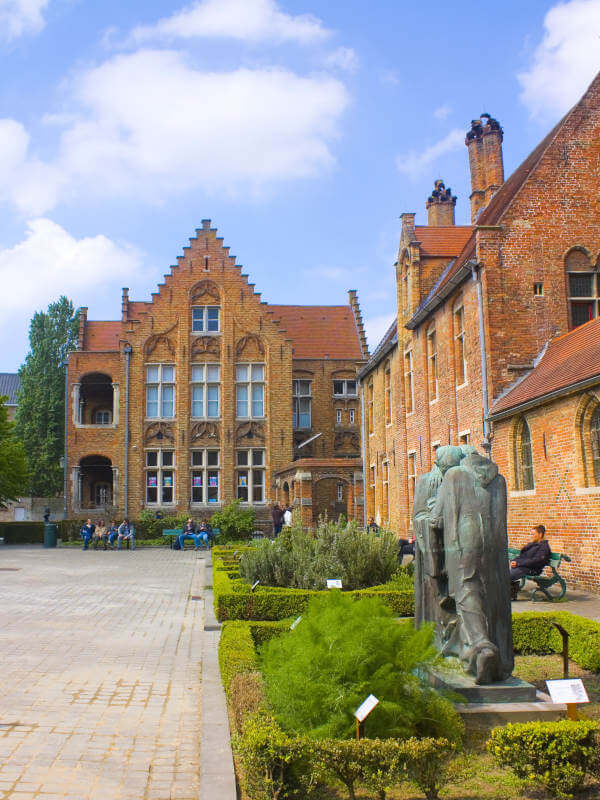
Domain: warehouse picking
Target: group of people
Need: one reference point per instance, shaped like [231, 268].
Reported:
[199, 534]
[281, 516]
[107, 536]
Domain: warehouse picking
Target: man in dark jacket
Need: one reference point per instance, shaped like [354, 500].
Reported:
[531, 560]
[277, 513]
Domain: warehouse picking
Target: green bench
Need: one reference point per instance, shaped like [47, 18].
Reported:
[544, 582]
[171, 534]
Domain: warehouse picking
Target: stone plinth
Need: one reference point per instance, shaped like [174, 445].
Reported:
[512, 690]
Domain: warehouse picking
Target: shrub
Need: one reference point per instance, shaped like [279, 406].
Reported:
[343, 650]
[556, 755]
[236, 652]
[266, 754]
[303, 560]
[233, 522]
[426, 762]
[246, 697]
[533, 632]
[22, 532]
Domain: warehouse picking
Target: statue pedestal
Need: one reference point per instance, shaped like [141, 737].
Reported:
[512, 690]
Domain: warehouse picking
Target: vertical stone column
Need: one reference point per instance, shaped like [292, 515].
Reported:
[115, 487]
[75, 401]
[116, 398]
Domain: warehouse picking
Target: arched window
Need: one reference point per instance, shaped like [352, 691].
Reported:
[524, 458]
[582, 287]
[589, 426]
[595, 444]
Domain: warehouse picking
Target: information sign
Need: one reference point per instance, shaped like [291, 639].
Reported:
[334, 583]
[363, 711]
[570, 690]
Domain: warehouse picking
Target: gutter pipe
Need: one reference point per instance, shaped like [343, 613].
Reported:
[127, 351]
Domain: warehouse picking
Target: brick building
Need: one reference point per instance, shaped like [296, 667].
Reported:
[221, 392]
[478, 304]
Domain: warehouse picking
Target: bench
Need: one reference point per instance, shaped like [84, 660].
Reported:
[544, 582]
[171, 534]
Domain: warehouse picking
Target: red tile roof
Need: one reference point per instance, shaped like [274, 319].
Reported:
[102, 336]
[447, 240]
[321, 463]
[568, 360]
[320, 331]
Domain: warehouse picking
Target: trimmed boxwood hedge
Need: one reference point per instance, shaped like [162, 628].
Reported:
[22, 532]
[533, 632]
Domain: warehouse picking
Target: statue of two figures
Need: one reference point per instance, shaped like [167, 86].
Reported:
[461, 561]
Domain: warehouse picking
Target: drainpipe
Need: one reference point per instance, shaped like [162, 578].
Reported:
[364, 454]
[487, 445]
[65, 479]
[127, 351]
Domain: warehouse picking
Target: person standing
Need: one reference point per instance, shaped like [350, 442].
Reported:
[277, 514]
[531, 560]
[287, 517]
[87, 532]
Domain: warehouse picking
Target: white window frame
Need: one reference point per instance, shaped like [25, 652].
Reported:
[409, 384]
[387, 393]
[200, 383]
[206, 472]
[351, 414]
[103, 411]
[297, 396]
[432, 365]
[345, 392]
[160, 385]
[160, 468]
[411, 475]
[249, 383]
[460, 344]
[371, 407]
[385, 490]
[204, 321]
[251, 469]
[338, 416]
[340, 492]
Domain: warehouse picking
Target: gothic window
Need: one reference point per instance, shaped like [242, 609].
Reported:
[250, 391]
[582, 287]
[408, 382]
[432, 371]
[387, 393]
[370, 406]
[524, 458]
[385, 491]
[205, 391]
[160, 391]
[459, 346]
[590, 440]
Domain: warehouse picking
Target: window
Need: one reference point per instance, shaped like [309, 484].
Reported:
[583, 297]
[385, 482]
[338, 416]
[372, 492]
[160, 390]
[538, 289]
[160, 476]
[250, 476]
[524, 458]
[340, 492]
[408, 382]
[301, 403]
[351, 415]
[412, 480]
[344, 388]
[464, 438]
[370, 406]
[205, 391]
[250, 391]
[432, 375]
[205, 476]
[459, 346]
[102, 417]
[206, 319]
[387, 393]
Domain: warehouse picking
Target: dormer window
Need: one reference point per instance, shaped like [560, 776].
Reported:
[206, 319]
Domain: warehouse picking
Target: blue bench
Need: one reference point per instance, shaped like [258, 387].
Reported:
[169, 535]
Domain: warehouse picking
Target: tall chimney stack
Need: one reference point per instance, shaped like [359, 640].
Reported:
[484, 142]
[440, 206]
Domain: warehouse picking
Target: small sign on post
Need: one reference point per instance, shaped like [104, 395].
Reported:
[254, 585]
[295, 622]
[334, 583]
[362, 712]
[571, 692]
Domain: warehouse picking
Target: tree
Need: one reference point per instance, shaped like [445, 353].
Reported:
[13, 462]
[41, 407]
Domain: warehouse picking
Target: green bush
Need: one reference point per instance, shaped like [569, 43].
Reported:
[246, 697]
[427, 763]
[236, 652]
[22, 532]
[302, 559]
[342, 651]
[533, 632]
[267, 755]
[557, 755]
[233, 522]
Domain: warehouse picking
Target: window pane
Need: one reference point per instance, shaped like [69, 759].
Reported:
[305, 387]
[212, 373]
[257, 400]
[212, 458]
[242, 485]
[213, 319]
[338, 415]
[242, 458]
[168, 396]
[213, 400]
[351, 416]
[241, 401]
[258, 458]
[197, 487]
[152, 401]
[167, 487]
[241, 372]
[258, 482]
[168, 374]
[151, 458]
[151, 487]
[582, 312]
[197, 374]
[152, 374]
[295, 387]
[213, 486]
[338, 387]
[581, 285]
[198, 319]
[351, 387]
[198, 401]
[258, 372]
[167, 458]
[197, 458]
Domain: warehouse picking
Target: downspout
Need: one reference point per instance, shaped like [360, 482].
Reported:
[364, 453]
[65, 480]
[127, 351]
[487, 444]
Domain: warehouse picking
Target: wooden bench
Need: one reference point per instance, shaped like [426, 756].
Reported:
[171, 534]
[544, 582]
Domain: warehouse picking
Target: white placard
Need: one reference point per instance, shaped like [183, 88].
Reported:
[570, 690]
[254, 585]
[363, 711]
[334, 583]
[295, 622]
[235, 552]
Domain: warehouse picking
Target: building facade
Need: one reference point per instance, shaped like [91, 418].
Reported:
[478, 304]
[205, 394]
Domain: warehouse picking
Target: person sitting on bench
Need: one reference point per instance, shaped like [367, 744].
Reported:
[406, 547]
[100, 535]
[113, 532]
[87, 532]
[126, 532]
[189, 532]
[531, 560]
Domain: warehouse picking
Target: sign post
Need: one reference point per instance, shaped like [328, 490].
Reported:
[570, 691]
[362, 712]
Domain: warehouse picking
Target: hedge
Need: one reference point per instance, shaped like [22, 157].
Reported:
[22, 532]
[533, 632]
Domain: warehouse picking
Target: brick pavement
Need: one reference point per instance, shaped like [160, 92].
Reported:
[100, 678]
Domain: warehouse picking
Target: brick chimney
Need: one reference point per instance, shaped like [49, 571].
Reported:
[484, 142]
[440, 206]
[83, 312]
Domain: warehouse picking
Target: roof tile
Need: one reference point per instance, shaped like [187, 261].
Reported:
[446, 240]
[320, 331]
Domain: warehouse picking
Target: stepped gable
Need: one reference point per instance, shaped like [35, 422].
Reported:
[102, 336]
[442, 240]
[320, 331]
[568, 360]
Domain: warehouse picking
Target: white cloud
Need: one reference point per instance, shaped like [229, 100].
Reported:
[19, 17]
[376, 328]
[442, 112]
[413, 163]
[251, 21]
[391, 77]
[344, 58]
[150, 125]
[565, 61]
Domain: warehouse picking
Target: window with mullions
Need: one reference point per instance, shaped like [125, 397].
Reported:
[160, 476]
[409, 399]
[583, 297]
[205, 476]
[432, 372]
[205, 391]
[250, 476]
[160, 391]
[250, 391]
[524, 458]
[206, 319]
[459, 346]
[344, 389]
[301, 401]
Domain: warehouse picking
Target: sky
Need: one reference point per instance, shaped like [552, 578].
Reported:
[301, 128]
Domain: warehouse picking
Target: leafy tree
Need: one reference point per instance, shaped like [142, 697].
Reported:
[13, 462]
[41, 410]
[342, 650]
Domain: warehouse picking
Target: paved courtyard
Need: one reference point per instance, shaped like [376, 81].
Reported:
[100, 679]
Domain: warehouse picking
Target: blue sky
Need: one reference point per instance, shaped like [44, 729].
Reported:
[302, 128]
